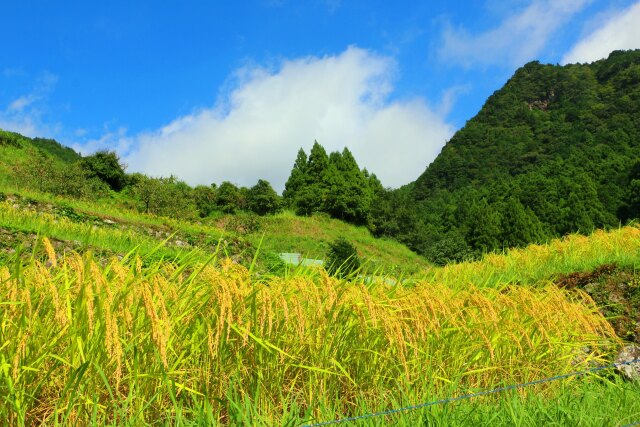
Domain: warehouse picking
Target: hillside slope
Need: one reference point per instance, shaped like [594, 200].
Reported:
[556, 150]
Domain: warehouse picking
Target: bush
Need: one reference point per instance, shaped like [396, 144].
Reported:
[163, 196]
[106, 166]
[42, 173]
[342, 259]
[262, 199]
[205, 199]
[451, 248]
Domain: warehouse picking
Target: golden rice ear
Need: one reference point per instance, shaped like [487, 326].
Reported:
[51, 253]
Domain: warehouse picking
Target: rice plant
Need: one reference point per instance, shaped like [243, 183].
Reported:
[137, 341]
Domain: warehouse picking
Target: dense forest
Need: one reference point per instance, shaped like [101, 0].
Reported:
[555, 151]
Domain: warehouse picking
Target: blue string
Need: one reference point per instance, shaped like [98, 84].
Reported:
[469, 396]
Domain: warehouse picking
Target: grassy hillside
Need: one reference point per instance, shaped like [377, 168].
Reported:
[91, 339]
[102, 226]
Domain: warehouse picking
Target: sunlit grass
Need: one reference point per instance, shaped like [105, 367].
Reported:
[539, 262]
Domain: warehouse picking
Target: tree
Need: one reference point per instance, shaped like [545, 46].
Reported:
[484, 228]
[163, 196]
[107, 167]
[349, 197]
[449, 248]
[42, 172]
[228, 197]
[520, 226]
[342, 258]
[297, 178]
[630, 208]
[262, 198]
[205, 199]
[317, 164]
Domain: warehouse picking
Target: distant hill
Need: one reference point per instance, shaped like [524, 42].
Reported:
[49, 146]
[556, 150]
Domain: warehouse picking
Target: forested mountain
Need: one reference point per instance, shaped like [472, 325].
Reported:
[556, 150]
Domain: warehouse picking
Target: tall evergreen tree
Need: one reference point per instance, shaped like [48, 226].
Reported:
[520, 225]
[357, 195]
[311, 198]
[317, 164]
[297, 178]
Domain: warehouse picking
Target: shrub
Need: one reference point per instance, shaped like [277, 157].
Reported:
[106, 166]
[342, 258]
[163, 196]
[42, 173]
[262, 198]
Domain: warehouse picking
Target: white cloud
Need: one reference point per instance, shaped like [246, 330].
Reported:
[519, 38]
[620, 31]
[256, 129]
[23, 114]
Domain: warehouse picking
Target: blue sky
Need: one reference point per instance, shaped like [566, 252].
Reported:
[213, 91]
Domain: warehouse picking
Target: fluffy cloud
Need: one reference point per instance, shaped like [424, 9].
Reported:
[620, 31]
[518, 39]
[255, 130]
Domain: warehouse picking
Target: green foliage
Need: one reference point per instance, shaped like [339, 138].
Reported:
[342, 258]
[205, 199]
[106, 166]
[350, 195]
[42, 173]
[55, 149]
[332, 184]
[450, 248]
[551, 153]
[228, 197]
[297, 179]
[630, 208]
[243, 223]
[262, 199]
[11, 139]
[163, 196]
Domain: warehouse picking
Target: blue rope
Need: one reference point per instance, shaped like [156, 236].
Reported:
[469, 396]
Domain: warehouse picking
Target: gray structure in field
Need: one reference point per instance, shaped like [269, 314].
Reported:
[293, 258]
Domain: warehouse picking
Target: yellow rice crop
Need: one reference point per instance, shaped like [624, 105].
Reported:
[77, 337]
[528, 265]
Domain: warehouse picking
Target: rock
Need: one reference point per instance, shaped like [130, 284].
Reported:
[108, 221]
[627, 354]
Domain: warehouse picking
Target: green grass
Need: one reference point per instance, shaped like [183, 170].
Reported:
[589, 402]
[283, 232]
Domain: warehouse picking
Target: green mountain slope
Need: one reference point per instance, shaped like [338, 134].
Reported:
[555, 151]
